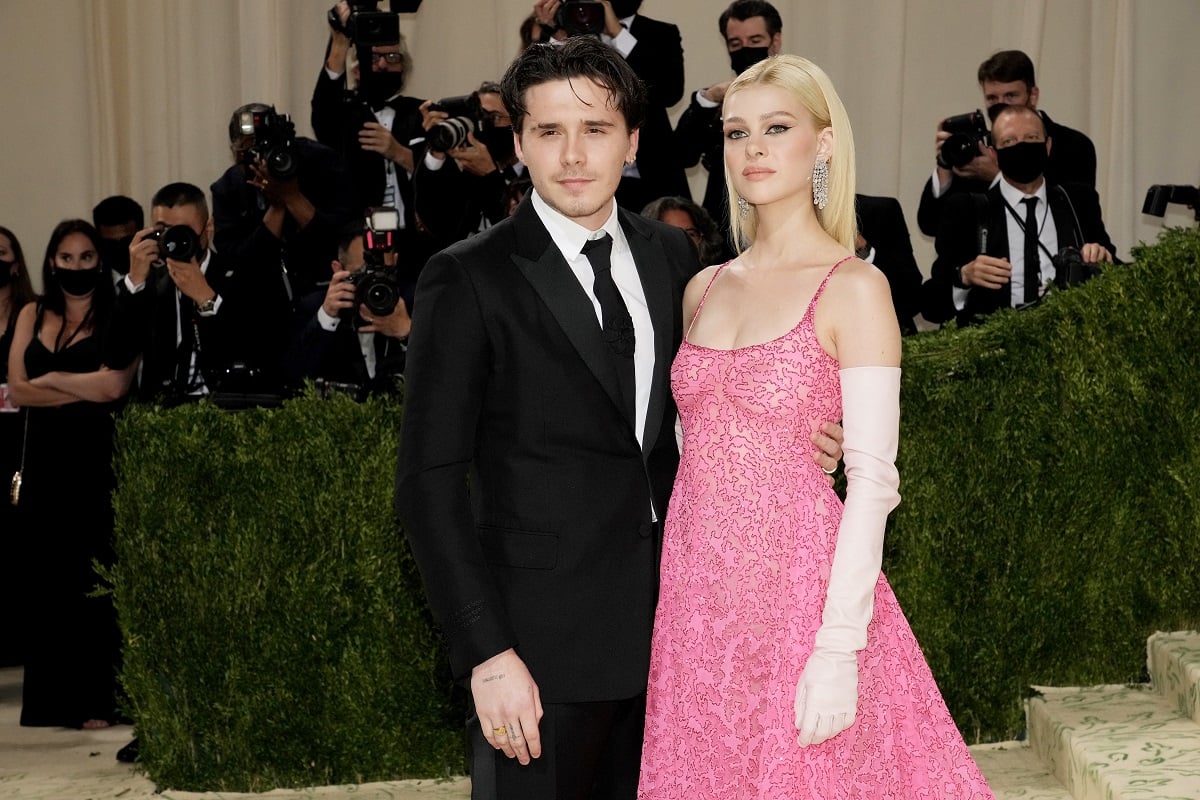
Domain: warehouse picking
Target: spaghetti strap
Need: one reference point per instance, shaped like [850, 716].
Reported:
[812, 304]
[704, 297]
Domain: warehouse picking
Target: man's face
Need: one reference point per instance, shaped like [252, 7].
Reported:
[493, 106]
[384, 58]
[575, 146]
[193, 217]
[1010, 93]
[1010, 129]
[751, 32]
[354, 259]
[115, 233]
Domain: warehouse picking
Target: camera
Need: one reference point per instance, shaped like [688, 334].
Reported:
[368, 25]
[1157, 198]
[376, 284]
[466, 116]
[580, 17]
[274, 142]
[178, 243]
[1070, 269]
[966, 131]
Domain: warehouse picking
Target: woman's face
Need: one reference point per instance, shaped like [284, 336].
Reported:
[76, 251]
[771, 144]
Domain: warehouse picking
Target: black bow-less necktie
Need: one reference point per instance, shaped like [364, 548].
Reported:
[1033, 261]
[618, 324]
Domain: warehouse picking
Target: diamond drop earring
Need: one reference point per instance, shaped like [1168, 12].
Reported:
[820, 184]
[743, 207]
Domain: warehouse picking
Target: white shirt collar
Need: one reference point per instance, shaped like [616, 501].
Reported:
[1014, 196]
[569, 236]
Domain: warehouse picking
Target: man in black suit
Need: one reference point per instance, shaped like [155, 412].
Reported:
[1006, 78]
[995, 250]
[270, 222]
[190, 319]
[654, 50]
[341, 342]
[543, 574]
[373, 127]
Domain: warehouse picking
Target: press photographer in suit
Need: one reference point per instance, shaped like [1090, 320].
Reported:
[183, 308]
[343, 342]
[1003, 249]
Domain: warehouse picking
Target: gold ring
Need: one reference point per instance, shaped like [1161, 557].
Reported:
[501, 731]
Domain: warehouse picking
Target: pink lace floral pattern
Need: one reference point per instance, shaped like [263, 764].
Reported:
[746, 557]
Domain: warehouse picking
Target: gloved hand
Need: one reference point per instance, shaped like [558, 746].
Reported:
[827, 691]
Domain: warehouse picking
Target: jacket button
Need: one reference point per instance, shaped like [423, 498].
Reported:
[645, 529]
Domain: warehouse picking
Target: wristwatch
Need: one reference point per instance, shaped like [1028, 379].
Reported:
[208, 306]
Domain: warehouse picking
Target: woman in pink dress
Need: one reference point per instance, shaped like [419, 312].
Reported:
[782, 665]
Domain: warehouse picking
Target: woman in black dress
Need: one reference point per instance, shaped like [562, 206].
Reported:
[55, 374]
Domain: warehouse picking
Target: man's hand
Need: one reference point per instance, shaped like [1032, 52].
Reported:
[612, 24]
[828, 441]
[716, 92]
[473, 157]
[378, 139]
[984, 166]
[508, 705]
[339, 295]
[278, 191]
[430, 117]
[339, 42]
[143, 253]
[1095, 253]
[988, 272]
[546, 12]
[395, 325]
[189, 280]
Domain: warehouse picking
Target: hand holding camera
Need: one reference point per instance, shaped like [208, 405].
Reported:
[278, 191]
[964, 147]
[340, 295]
[472, 156]
[159, 245]
[378, 139]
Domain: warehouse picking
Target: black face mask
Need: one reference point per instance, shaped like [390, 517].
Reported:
[6, 274]
[625, 8]
[743, 58]
[381, 86]
[114, 253]
[1023, 162]
[499, 142]
[77, 282]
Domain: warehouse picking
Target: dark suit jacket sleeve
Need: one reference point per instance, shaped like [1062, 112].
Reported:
[309, 342]
[128, 327]
[956, 244]
[694, 132]
[1086, 203]
[446, 380]
[882, 225]
[327, 121]
[657, 58]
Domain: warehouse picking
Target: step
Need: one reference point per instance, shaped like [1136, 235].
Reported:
[1013, 771]
[1115, 742]
[1173, 660]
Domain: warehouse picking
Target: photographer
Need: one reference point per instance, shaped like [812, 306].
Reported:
[185, 309]
[461, 189]
[117, 218]
[282, 201]
[338, 338]
[1006, 78]
[654, 50]
[359, 111]
[1003, 248]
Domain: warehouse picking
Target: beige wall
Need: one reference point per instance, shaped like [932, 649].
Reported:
[121, 96]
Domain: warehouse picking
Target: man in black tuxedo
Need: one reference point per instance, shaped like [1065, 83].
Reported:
[654, 50]
[995, 250]
[1006, 78]
[190, 319]
[543, 574]
[376, 129]
[341, 342]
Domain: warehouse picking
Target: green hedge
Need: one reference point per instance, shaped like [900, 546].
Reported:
[276, 630]
[276, 633]
[1050, 470]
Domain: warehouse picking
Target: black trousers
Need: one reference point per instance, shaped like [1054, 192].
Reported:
[590, 751]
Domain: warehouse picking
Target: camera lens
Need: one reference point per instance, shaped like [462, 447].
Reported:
[959, 150]
[449, 134]
[178, 243]
[381, 297]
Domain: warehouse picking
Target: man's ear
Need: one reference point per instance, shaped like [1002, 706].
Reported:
[336, 266]
[631, 155]
[1048, 143]
[1033, 97]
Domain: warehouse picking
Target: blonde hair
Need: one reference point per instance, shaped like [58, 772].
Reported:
[812, 87]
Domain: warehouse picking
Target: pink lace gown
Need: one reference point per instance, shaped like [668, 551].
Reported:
[747, 550]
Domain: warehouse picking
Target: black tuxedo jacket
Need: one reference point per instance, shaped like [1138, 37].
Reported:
[1072, 160]
[144, 323]
[451, 203]
[658, 60]
[553, 548]
[1077, 220]
[336, 355]
[698, 139]
[881, 223]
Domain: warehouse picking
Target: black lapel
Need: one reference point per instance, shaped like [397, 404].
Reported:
[548, 273]
[652, 262]
[1069, 234]
[998, 239]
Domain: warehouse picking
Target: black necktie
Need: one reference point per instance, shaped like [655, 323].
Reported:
[618, 325]
[187, 343]
[1033, 272]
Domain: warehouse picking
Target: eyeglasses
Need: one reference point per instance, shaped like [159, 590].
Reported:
[499, 120]
[391, 58]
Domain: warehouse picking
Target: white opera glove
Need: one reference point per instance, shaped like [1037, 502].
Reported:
[827, 692]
